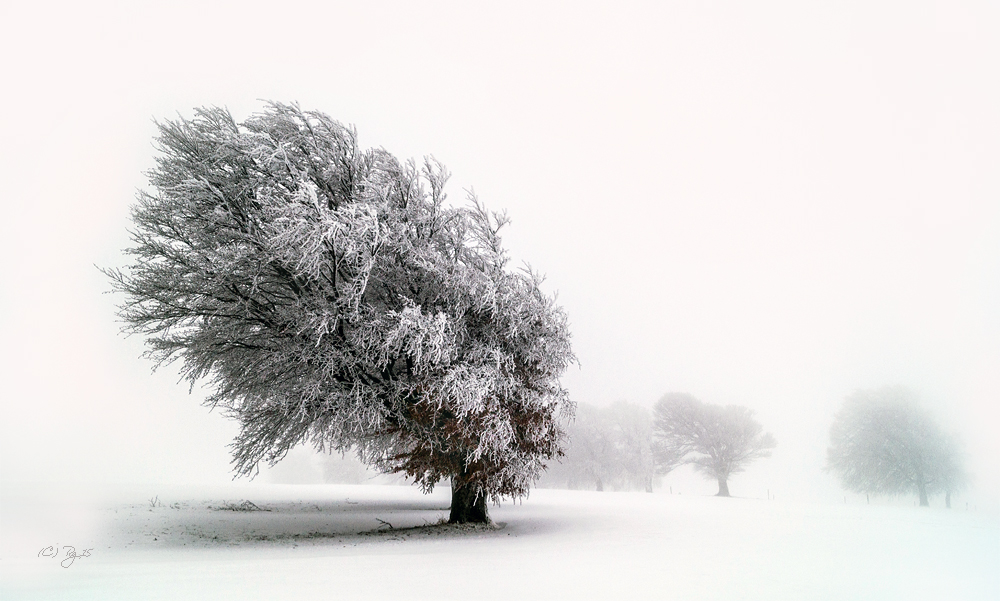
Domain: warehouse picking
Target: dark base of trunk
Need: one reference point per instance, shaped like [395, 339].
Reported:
[723, 489]
[467, 506]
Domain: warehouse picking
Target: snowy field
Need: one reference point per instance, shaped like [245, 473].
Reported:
[266, 541]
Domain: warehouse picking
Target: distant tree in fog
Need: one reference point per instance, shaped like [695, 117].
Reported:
[883, 442]
[328, 295]
[591, 455]
[718, 441]
[633, 426]
[609, 447]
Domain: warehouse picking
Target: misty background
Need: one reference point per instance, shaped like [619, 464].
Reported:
[768, 205]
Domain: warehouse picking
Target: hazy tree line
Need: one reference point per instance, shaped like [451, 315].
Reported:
[628, 447]
[609, 448]
[882, 442]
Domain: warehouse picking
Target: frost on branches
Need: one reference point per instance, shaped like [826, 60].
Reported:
[329, 295]
[882, 442]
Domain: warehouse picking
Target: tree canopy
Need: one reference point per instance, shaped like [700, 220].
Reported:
[718, 441]
[329, 295]
[883, 442]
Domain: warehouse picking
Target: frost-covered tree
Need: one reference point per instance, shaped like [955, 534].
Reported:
[718, 441]
[329, 295]
[608, 447]
[883, 442]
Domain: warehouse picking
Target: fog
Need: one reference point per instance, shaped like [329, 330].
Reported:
[769, 205]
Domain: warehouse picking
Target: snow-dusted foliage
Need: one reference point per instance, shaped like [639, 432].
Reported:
[718, 441]
[328, 294]
[882, 442]
[609, 447]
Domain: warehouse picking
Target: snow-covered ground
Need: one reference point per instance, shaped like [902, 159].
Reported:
[267, 541]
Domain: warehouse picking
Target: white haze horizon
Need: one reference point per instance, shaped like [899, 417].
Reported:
[771, 205]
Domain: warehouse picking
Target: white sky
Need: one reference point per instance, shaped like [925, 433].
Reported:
[770, 205]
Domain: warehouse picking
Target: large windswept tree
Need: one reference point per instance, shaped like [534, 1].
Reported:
[882, 442]
[328, 295]
[718, 441]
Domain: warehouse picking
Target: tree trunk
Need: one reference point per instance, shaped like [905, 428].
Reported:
[922, 489]
[947, 499]
[649, 484]
[723, 488]
[466, 504]
[600, 485]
